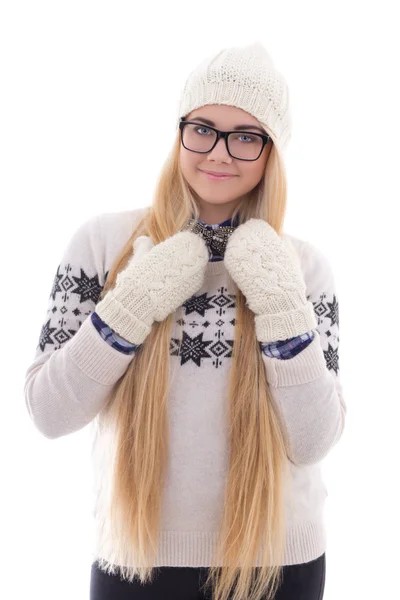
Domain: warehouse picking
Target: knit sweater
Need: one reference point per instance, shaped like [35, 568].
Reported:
[74, 371]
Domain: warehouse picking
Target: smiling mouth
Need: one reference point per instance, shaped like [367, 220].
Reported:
[217, 176]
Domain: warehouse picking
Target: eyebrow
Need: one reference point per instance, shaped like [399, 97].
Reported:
[245, 127]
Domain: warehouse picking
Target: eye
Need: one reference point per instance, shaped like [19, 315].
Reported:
[249, 137]
[204, 128]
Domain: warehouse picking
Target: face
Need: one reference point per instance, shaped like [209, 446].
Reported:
[219, 197]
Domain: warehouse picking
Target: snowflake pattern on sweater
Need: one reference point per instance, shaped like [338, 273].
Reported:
[89, 288]
[73, 297]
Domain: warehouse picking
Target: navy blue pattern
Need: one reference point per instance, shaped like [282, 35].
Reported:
[287, 348]
[283, 349]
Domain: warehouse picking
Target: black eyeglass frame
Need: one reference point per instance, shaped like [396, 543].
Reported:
[224, 135]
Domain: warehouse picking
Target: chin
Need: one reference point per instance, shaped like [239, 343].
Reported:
[211, 196]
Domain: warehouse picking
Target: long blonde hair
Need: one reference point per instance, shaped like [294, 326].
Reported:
[253, 517]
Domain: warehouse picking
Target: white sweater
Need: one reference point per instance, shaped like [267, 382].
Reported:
[74, 370]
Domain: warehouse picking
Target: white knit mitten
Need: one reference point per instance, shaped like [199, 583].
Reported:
[156, 281]
[267, 270]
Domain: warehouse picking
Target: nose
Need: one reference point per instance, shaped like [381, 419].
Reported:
[220, 152]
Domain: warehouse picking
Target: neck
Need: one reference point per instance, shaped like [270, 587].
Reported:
[214, 214]
[215, 219]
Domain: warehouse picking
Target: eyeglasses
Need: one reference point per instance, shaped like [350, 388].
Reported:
[243, 149]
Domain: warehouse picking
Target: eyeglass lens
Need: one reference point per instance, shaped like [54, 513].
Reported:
[200, 138]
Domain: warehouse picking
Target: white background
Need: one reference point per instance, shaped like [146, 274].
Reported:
[89, 96]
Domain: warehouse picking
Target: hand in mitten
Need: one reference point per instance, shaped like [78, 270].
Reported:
[157, 280]
[267, 270]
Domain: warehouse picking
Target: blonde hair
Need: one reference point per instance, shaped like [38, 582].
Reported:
[253, 517]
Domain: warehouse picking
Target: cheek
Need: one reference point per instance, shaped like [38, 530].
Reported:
[253, 173]
[188, 163]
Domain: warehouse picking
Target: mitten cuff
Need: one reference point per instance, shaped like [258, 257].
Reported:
[284, 325]
[112, 312]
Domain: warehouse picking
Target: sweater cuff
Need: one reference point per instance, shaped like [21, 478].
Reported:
[94, 357]
[306, 366]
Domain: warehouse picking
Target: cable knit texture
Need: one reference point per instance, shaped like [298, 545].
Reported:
[154, 285]
[267, 270]
[244, 77]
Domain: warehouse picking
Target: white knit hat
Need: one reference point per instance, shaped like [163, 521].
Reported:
[244, 77]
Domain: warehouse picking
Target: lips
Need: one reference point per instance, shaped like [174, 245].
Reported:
[216, 176]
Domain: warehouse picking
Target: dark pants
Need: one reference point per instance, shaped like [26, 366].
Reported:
[299, 582]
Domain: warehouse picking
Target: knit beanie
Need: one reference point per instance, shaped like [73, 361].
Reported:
[244, 77]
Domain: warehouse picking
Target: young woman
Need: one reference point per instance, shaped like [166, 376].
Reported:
[209, 365]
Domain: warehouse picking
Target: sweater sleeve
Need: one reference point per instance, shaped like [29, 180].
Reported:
[306, 389]
[74, 370]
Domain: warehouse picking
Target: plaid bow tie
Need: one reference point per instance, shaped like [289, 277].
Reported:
[216, 239]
